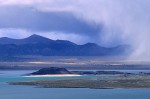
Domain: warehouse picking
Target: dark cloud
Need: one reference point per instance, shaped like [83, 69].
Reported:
[34, 20]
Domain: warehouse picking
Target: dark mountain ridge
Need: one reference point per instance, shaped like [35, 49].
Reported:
[38, 45]
[29, 40]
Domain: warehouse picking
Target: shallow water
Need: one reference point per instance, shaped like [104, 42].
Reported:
[31, 92]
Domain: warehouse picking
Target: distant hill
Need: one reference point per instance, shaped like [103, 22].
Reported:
[38, 45]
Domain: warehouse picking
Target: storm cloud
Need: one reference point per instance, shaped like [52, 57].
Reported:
[106, 22]
[32, 19]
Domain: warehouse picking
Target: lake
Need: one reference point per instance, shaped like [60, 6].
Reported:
[32, 92]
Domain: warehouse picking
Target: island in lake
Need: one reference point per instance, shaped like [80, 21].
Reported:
[64, 71]
[122, 80]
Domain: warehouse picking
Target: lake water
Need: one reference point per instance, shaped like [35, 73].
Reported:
[31, 92]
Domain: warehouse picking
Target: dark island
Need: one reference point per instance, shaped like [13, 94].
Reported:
[62, 71]
[51, 71]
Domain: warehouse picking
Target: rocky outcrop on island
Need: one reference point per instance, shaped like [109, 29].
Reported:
[51, 71]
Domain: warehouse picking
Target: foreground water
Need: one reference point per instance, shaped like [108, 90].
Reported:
[31, 92]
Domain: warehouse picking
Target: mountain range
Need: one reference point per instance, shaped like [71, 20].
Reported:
[38, 45]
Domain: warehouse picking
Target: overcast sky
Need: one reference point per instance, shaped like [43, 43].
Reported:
[105, 22]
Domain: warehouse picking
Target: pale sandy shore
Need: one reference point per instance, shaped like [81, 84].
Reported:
[57, 75]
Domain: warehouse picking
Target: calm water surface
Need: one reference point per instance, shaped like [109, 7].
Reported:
[31, 92]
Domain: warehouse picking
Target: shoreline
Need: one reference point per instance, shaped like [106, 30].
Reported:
[56, 75]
